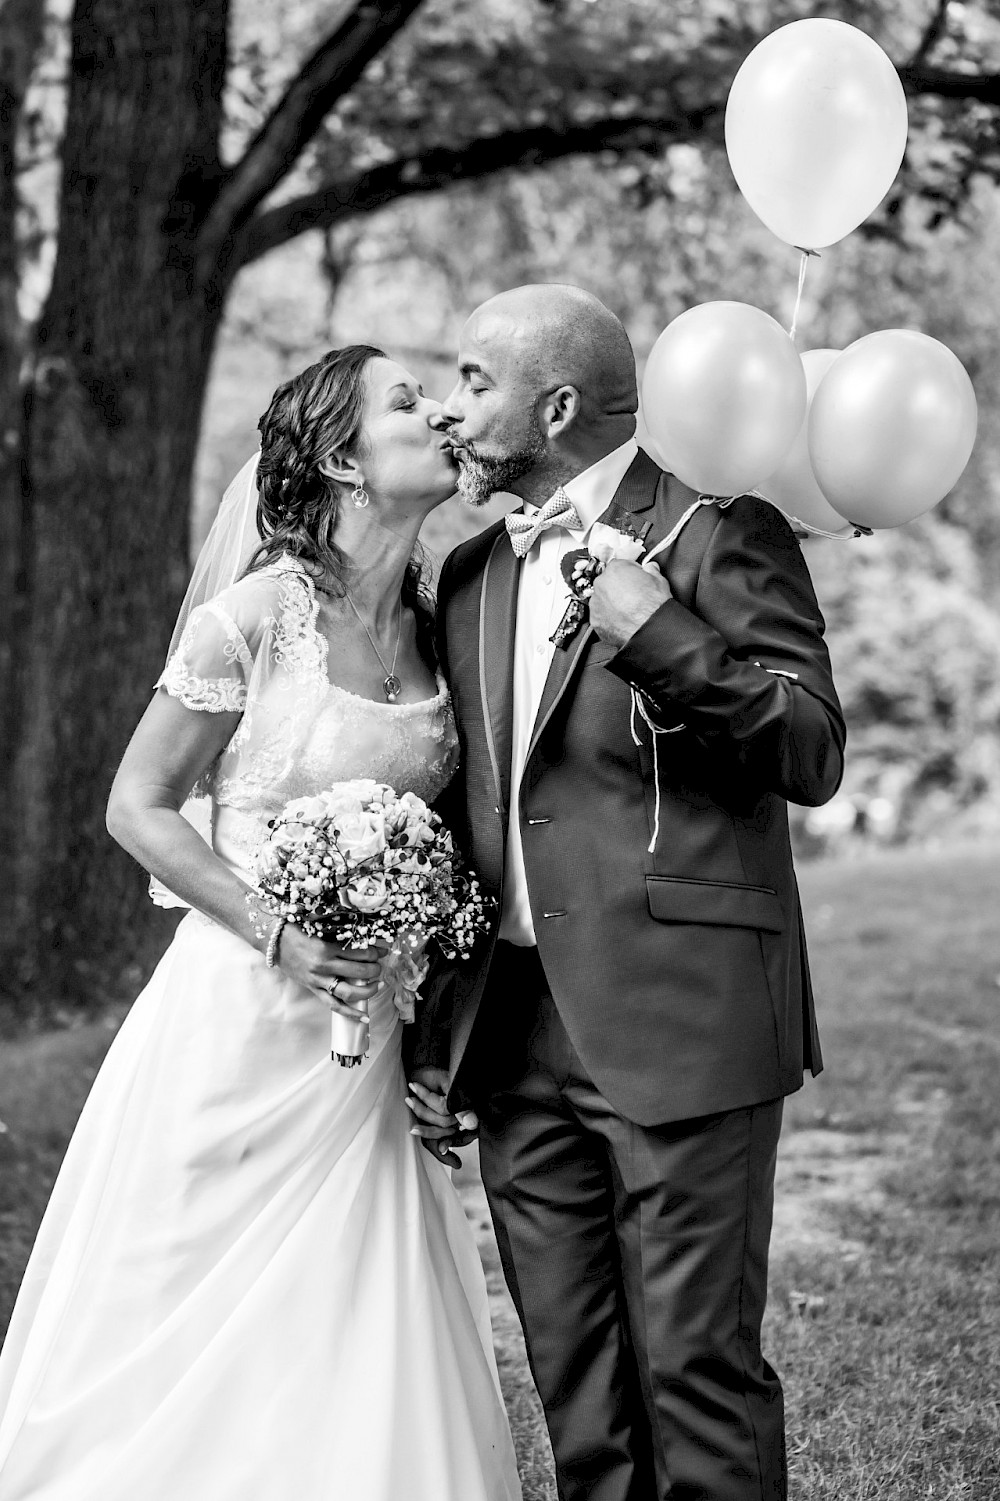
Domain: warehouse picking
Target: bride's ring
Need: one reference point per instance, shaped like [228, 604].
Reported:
[332, 989]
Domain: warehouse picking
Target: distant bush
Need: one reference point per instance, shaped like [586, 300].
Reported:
[916, 655]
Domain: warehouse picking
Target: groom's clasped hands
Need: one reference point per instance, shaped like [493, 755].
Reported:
[624, 597]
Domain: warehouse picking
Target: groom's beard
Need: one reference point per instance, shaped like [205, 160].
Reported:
[484, 475]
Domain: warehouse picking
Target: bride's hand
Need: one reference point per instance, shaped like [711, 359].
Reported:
[343, 979]
[433, 1121]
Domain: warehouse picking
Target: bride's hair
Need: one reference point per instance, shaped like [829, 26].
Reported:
[318, 411]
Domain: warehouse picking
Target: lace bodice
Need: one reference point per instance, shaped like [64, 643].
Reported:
[256, 650]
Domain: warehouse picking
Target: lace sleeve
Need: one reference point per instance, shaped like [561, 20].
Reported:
[211, 666]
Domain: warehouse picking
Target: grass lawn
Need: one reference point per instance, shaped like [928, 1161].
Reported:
[884, 1318]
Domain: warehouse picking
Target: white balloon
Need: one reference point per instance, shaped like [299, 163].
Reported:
[891, 427]
[645, 440]
[723, 395]
[793, 487]
[815, 130]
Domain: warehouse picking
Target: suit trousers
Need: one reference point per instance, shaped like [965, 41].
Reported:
[637, 1260]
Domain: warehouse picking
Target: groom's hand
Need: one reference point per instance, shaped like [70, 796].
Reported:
[433, 1122]
[625, 596]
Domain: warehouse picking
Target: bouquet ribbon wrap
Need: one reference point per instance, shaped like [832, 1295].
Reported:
[403, 972]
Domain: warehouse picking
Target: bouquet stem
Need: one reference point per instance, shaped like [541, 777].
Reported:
[349, 1039]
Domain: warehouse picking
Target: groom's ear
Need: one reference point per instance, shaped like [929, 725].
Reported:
[337, 466]
[560, 409]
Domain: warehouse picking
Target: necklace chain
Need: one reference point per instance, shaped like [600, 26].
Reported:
[391, 684]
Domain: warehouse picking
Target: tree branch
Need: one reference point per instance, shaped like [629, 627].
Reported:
[945, 83]
[533, 146]
[933, 32]
[442, 166]
[329, 73]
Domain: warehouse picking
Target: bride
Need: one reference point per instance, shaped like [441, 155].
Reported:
[250, 1283]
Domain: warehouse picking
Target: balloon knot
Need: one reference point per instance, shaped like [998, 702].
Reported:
[803, 251]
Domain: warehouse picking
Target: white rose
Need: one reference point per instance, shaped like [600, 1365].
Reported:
[361, 835]
[365, 893]
[367, 790]
[305, 810]
[414, 805]
[607, 544]
[337, 800]
[395, 822]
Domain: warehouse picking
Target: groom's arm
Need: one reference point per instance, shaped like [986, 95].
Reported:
[748, 665]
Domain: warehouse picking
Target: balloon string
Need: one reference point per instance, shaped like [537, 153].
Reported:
[817, 531]
[803, 265]
[723, 501]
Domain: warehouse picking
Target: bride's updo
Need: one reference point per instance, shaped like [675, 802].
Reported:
[316, 413]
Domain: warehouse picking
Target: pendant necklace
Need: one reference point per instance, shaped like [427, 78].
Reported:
[391, 684]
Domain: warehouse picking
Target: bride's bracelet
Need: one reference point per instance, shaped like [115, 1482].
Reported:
[271, 954]
[259, 925]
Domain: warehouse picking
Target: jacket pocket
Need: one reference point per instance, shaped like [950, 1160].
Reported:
[722, 904]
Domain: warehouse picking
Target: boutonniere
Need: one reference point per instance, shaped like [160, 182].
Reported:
[581, 568]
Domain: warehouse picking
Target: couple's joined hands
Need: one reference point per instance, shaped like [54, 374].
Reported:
[440, 1131]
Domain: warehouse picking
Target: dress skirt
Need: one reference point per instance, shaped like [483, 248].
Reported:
[251, 1282]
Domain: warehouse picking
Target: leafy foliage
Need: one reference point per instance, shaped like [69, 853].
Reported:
[457, 75]
[916, 657]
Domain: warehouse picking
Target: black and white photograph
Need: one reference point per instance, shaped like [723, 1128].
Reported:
[500, 729]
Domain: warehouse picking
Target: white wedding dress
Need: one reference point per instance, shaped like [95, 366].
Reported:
[251, 1282]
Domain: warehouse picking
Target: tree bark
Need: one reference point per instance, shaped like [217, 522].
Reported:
[117, 370]
[21, 24]
[118, 375]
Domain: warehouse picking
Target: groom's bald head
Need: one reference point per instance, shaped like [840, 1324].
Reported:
[561, 335]
[546, 387]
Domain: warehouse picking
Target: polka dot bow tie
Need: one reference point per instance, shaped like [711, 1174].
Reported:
[524, 531]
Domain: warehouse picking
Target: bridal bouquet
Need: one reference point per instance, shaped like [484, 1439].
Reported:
[360, 863]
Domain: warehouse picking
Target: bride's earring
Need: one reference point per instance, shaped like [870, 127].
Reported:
[359, 495]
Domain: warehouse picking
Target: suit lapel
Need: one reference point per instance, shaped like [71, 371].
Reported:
[636, 493]
[497, 620]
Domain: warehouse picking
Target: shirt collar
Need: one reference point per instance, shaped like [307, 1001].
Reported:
[593, 489]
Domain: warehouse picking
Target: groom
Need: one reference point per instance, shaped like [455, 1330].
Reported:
[643, 1004]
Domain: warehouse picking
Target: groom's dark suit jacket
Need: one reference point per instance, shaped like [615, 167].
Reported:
[681, 975]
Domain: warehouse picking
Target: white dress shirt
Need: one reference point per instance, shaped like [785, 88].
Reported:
[542, 598]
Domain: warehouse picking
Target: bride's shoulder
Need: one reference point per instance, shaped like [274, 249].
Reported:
[258, 602]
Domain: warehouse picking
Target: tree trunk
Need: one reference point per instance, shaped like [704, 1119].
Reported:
[20, 42]
[119, 371]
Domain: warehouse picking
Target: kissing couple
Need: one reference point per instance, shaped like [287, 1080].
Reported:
[251, 1281]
